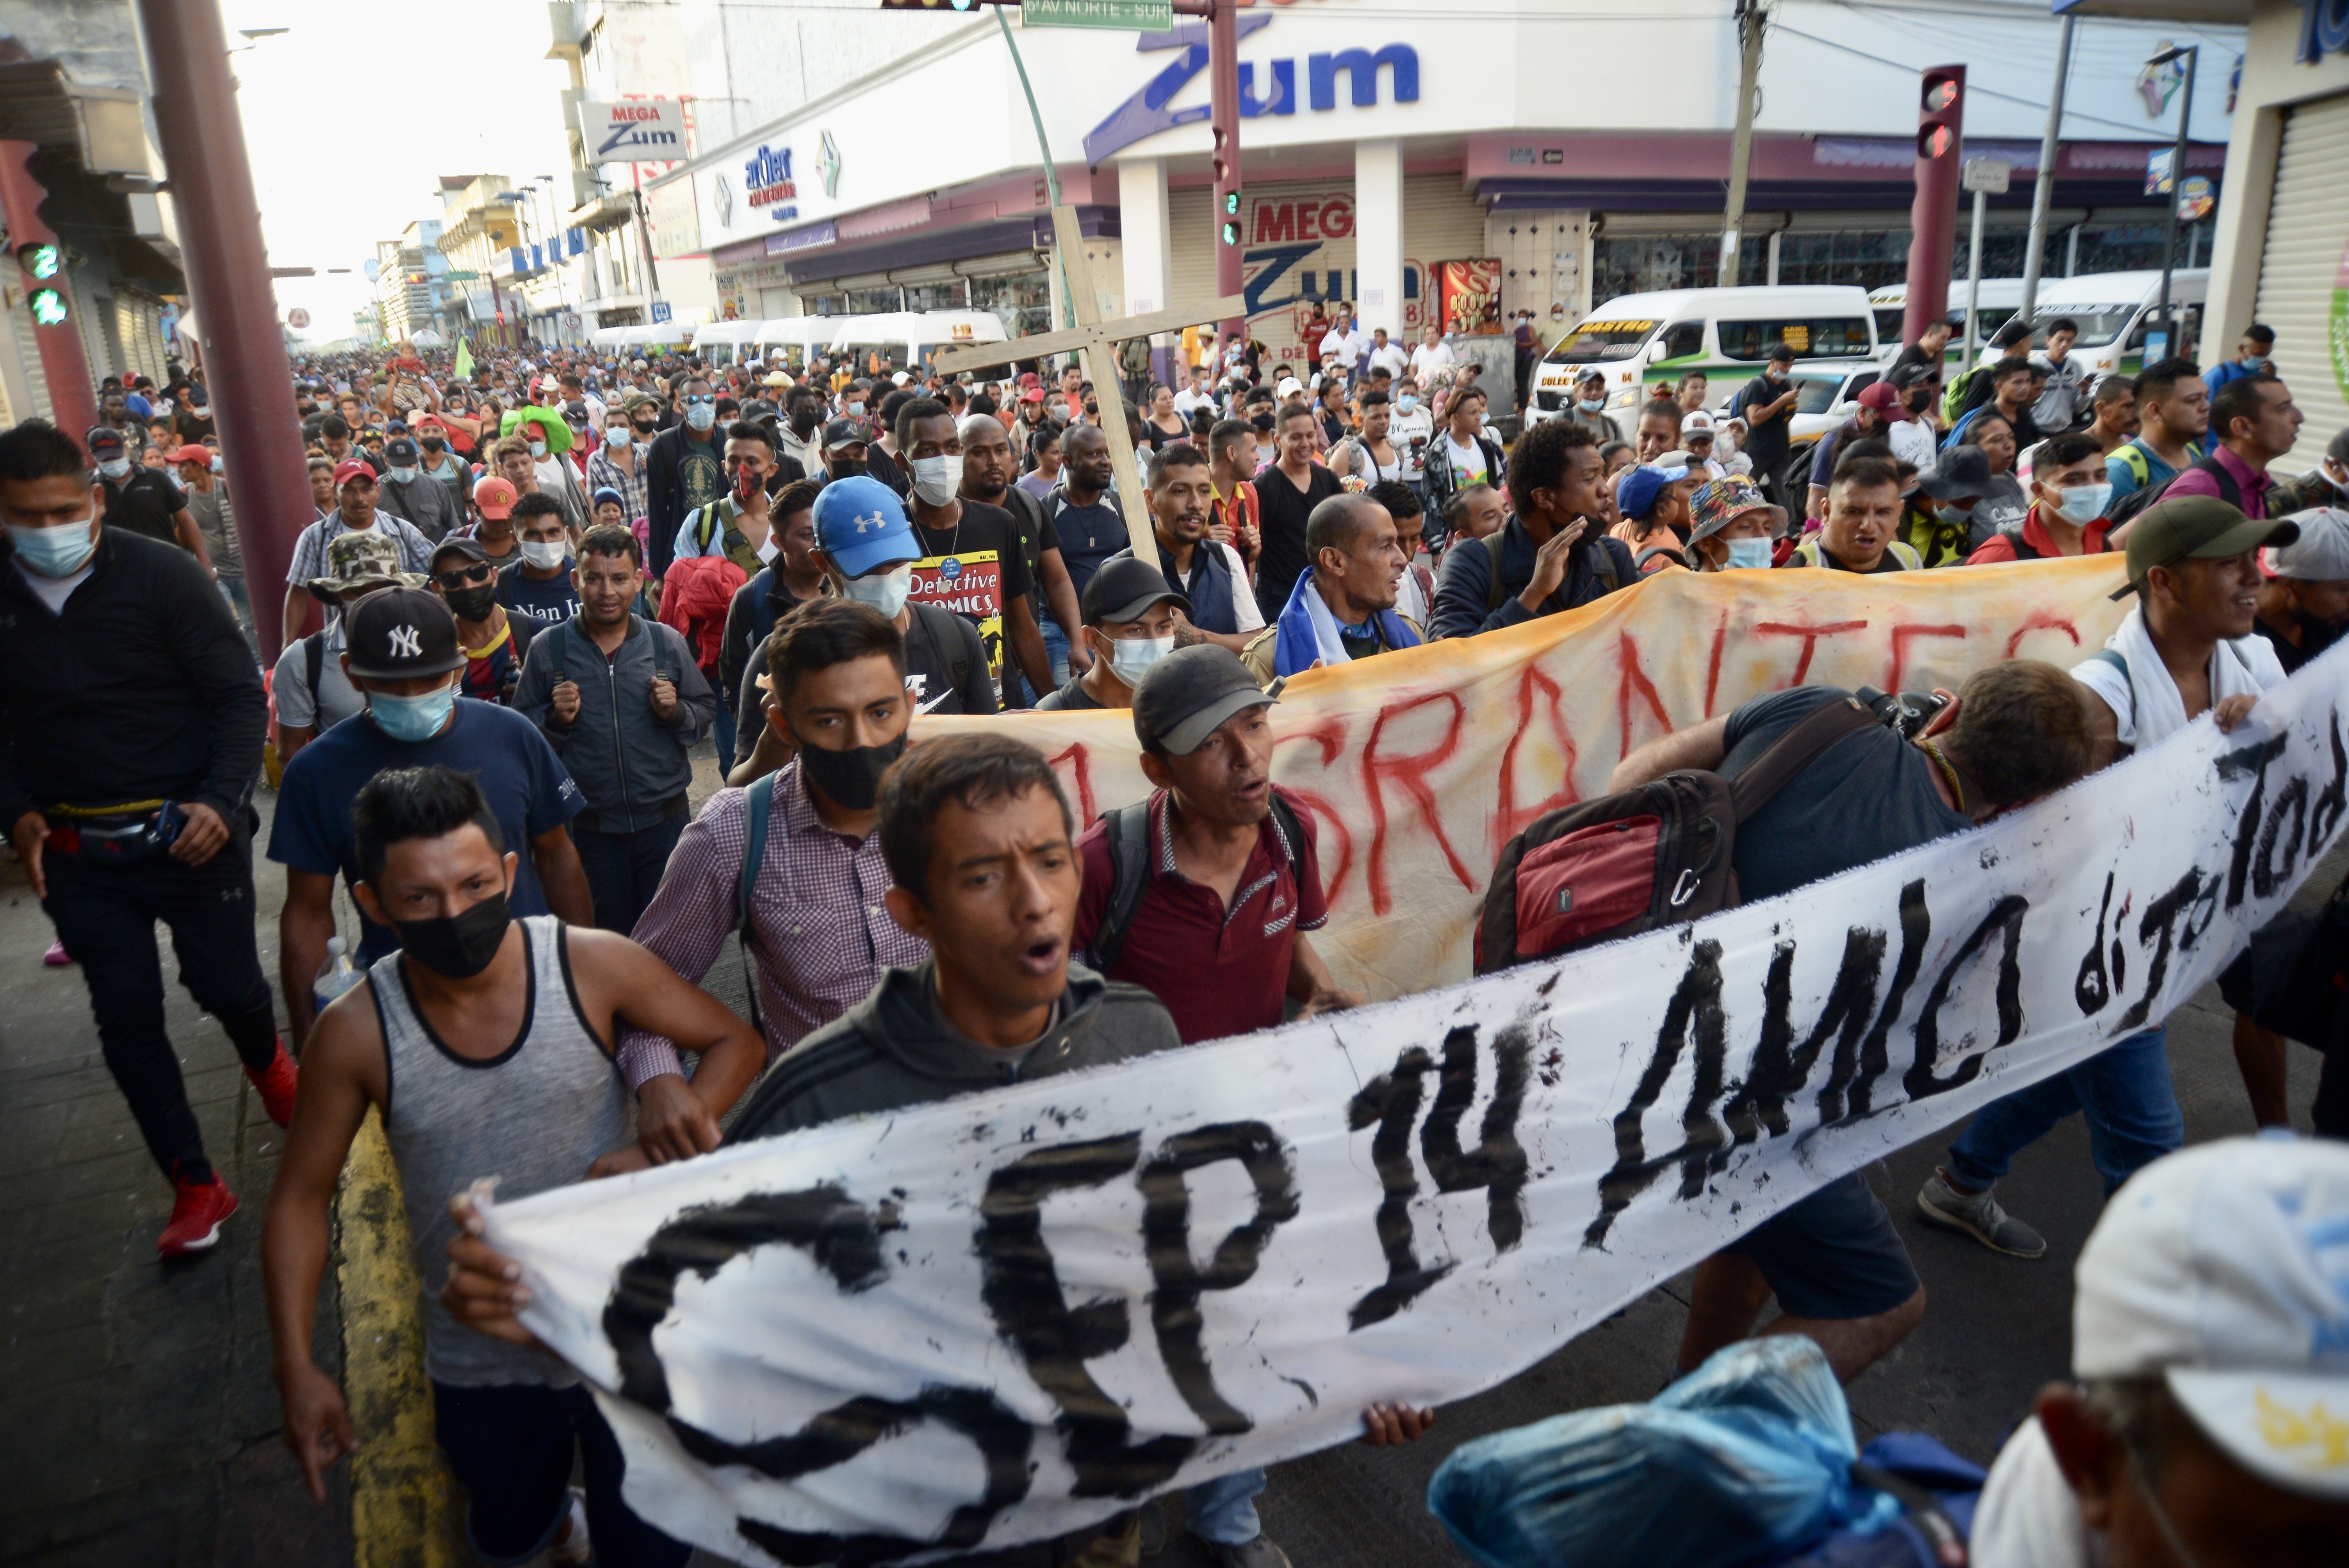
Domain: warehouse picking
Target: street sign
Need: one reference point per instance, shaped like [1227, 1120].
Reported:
[1127, 15]
[660, 311]
[297, 318]
[1988, 175]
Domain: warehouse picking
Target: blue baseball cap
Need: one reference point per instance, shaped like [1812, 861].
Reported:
[861, 524]
[1636, 492]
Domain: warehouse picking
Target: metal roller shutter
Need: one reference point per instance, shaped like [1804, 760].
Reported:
[2301, 271]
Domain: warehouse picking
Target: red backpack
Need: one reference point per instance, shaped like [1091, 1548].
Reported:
[1652, 856]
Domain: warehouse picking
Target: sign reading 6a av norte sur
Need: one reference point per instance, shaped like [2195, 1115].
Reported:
[1134, 15]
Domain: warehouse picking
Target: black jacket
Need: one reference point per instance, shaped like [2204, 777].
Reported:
[634, 768]
[890, 1050]
[665, 507]
[142, 689]
[1463, 594]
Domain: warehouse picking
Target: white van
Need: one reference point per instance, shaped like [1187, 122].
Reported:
[2115, 312]
[1723, 332]
[2000, 298]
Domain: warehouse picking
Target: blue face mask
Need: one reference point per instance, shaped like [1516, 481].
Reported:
[1748, 555]
[58, 552]
[218, 467]
[403, 475]
[538, 448]
[412, 718]
[115, 468]
[1405, 402]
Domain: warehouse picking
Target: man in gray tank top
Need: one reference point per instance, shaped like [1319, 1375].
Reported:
[997, 1003]
[485, 1043]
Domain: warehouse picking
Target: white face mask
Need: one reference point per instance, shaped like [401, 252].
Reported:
[2086, 503]
[1748, 555]
[884, 591]
[543, 555]
[1131, 657]
[935, 478]
[619, 436]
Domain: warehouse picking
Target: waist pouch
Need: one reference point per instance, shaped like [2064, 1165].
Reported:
[115, 841]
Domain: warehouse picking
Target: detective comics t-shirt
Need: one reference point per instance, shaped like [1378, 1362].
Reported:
[973, 569]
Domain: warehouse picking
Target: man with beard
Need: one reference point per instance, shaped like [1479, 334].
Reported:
[987, 472]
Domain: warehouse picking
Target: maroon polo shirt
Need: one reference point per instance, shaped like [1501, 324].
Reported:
[1220, 971]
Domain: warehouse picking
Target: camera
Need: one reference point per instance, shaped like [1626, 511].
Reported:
[1904, 713]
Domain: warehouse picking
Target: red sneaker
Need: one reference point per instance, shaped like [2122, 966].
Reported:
[276, 1083]
[197, 1214]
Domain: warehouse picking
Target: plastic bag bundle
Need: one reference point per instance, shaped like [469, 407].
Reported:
[1745, 1459]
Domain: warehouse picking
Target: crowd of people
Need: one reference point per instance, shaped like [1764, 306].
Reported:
[793, 561]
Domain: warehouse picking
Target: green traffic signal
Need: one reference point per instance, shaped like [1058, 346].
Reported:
[1231, 203]
[49, 307]
[41, 261]
[1231, 232]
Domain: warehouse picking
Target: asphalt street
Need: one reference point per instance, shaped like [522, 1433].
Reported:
[143, 1423]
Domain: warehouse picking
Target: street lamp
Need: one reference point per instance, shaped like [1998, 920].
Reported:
[2191, 55]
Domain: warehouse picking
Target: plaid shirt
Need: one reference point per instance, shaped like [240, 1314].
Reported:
[820, 936]
[602, 472]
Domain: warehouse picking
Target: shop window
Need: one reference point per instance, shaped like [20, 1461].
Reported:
[937, 296]
[1866, 258]
[1645, 263]
[1021, 301]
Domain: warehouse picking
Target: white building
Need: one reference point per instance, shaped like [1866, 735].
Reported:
[1576, 157]
[2281, 252]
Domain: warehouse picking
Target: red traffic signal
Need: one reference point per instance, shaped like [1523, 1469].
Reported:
[1940, 112]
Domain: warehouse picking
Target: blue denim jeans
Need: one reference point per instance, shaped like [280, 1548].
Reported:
[1224, 1510]
[1056, 648]
[722, 736]
[2124, 1091]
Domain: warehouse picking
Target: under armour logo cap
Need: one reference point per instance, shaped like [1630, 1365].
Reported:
[398, 634]
[860, 525]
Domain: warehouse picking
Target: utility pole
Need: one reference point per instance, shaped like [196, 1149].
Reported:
[2193, 53]
[246, 372]
[1224, 118]
[1741, 149]
[2042, 191]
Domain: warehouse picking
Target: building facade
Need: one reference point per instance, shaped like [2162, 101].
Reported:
[1552, 153]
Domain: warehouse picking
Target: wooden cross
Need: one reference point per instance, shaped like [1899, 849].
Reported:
[1097, 342]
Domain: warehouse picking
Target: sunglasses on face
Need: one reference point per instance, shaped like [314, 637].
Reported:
[479, 572]
[703, 399]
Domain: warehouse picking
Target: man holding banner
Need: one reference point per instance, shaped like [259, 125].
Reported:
[2190, 647]
[2017, 732]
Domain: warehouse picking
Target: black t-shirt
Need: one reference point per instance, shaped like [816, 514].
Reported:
[1869, 795]
[974, 568]
[1069, 698]
[1281, 511]
[2316, 637]
[1766, 441]
[946, 672]
[143, 502]
[1037, 535]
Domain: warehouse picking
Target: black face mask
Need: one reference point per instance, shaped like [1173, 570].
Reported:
[459, 946]
[644, 427]
[851, 778]
[431, 443]
[844, 468]
[472, 603]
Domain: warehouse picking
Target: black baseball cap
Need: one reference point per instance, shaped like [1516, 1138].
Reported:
[1123, 589]
[1185, 697]
[400, 452]
[394, 633]
[845, 433]
[103, 442]
[468, 547]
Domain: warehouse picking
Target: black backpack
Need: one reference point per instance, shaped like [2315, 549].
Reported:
[1129, 852]
[1640, 859]
[2144, 496]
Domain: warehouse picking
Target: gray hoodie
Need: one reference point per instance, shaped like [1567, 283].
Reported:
[632, 767]
[892, 1050]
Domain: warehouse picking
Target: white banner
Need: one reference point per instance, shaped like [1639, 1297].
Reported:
[633, 130]
[1002, 1318]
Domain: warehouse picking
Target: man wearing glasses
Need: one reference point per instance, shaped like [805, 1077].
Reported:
[494, 644]
[684, 470]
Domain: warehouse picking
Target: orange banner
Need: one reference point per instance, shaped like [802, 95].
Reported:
[1418, 766]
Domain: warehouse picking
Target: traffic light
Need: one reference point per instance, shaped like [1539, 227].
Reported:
[1941, 115]
[1231, 217]
[44, 262]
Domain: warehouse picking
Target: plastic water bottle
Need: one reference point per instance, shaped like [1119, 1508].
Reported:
[336, 976]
